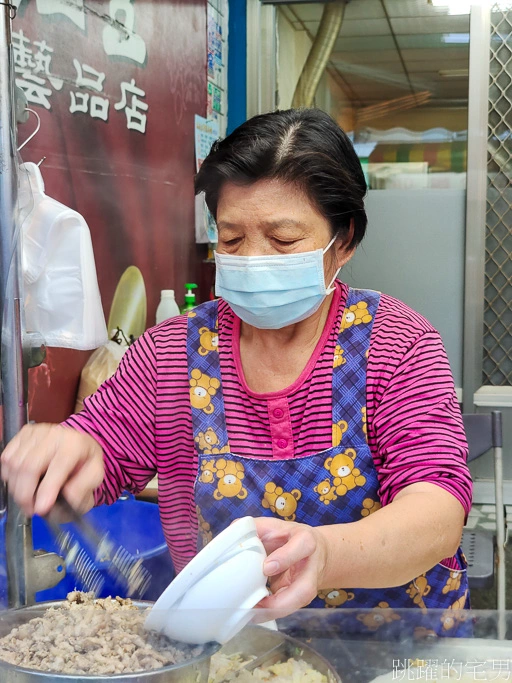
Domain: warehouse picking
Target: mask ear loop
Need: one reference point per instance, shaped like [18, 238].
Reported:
[330, 244]
[330, 289]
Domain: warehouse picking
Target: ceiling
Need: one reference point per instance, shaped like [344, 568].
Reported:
[392, 48]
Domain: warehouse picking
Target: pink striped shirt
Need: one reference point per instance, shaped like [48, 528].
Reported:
[142, 416]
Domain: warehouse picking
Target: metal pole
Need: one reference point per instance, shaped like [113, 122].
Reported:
[18, 528]
[501, 583]
[27, 571]
[476, 196]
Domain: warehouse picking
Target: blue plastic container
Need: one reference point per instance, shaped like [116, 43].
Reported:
[132, 523]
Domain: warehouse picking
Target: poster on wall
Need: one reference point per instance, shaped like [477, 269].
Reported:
[116, 84]
[217, 63]
[206, 133]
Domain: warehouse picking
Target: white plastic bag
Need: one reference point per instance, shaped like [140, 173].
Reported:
[62, 298]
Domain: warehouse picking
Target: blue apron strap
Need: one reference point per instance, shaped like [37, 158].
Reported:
[349, 367]
[205, 382]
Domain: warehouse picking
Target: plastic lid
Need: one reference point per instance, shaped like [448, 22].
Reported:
[168, 293]
[190, 285]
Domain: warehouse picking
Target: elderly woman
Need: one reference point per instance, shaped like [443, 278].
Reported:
[327, 413]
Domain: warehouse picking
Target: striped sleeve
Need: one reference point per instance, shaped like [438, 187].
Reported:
[416, 432]
[121, 417]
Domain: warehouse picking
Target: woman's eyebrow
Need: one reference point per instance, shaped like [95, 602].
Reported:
[226, 225]
[273, 223]
[285, 223]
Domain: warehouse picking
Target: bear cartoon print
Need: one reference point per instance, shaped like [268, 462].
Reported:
[338, 429]
[208, 470]
[346, 476]
[339, 358]
[230, 475]
[370, 506]
[208, 443]
[208, 341]
[206, 440]
[364, 424]
[453, 616]
[336, 597]
[281, 502]
[418, 590]
[205, 533]
[378, 617]
[326, 491]
[202, 388]
[357, 314]
[453, 582]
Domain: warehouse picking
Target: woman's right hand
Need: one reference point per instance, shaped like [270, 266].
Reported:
[44, 459]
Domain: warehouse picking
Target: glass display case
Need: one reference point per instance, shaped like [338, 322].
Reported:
[412, 644]
[321, 646]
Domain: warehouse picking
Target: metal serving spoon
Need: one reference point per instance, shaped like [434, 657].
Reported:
[124, 567]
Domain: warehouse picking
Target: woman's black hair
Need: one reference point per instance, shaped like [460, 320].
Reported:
[301, 146]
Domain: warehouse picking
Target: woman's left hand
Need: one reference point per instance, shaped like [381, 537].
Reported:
[296, 557]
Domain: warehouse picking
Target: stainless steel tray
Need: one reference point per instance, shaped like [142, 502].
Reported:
[269, 647]
[192, 671]
[266, 646]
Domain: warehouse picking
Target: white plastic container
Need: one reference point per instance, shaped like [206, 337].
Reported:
[212, 598]
[167, 308]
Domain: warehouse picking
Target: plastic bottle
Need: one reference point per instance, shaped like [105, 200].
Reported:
[190, 297]
[167, 308]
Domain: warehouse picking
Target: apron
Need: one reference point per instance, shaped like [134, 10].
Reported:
[339, 485]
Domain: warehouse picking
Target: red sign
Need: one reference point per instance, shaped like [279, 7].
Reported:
[117, 84]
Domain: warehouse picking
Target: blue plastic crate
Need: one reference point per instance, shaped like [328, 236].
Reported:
[132, 523]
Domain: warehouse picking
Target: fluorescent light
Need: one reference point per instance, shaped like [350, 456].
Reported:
[454, 73]
[455, 38]
[454, 6]
[464, 6]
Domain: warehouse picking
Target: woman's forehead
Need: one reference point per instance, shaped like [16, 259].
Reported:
[267, 202]
[269, 187]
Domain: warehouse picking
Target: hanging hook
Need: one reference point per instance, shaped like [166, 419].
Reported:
[42, 160]
[12, 9]
[36, 130]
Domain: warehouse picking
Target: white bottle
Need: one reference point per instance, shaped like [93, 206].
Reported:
[167, 308]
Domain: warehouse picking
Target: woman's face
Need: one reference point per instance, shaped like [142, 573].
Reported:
[272, 217]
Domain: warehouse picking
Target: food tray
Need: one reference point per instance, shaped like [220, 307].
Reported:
[270, 647]
[263, 646]
[194, 670]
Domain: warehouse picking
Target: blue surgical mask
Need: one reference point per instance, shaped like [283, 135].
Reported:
[271, 292]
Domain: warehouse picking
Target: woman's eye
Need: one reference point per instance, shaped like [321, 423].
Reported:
[232, 243]
[285, 243]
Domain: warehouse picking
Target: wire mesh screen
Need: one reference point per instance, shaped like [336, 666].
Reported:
[497, 363]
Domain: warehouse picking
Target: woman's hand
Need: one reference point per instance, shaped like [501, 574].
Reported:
[43, 460]
[296, 558]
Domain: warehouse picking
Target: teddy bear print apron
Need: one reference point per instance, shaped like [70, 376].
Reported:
[336, 486]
